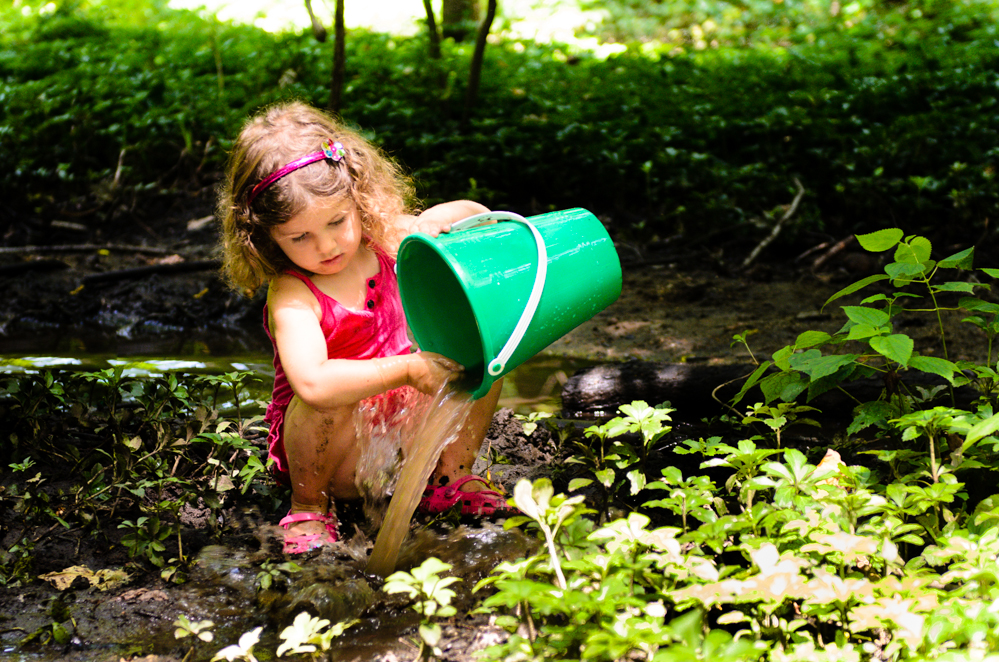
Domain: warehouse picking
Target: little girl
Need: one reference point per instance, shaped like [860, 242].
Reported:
[317, 212]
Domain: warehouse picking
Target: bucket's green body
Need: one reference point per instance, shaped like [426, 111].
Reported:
[465, 291]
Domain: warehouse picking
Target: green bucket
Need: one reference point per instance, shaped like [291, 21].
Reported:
[492, 296]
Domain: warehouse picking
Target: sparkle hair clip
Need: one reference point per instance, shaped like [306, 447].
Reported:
[333, 151]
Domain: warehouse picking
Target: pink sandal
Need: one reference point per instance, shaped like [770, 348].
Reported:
[309, 541]
[487, 502]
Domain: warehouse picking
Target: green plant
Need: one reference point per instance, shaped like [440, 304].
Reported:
[615, 459]
[310, 635]
[242, 650]
[431, 599]
[272, 574]
[803, 368]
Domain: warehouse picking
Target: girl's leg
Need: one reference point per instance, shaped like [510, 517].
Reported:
[457, 459]
[322, 451]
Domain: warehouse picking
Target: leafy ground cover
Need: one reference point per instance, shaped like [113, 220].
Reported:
[740, 537]
[884, 114]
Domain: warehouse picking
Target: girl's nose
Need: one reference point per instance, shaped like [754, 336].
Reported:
[327, 242]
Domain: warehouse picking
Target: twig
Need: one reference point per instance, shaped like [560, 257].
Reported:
[836, 248]
[139, 272]
[84, 248]
[778, 226]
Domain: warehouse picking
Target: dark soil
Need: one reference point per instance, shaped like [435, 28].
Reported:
[71, 296]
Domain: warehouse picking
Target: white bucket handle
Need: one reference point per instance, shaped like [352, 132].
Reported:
[498, 365]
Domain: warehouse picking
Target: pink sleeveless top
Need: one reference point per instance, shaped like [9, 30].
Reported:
[377, 331]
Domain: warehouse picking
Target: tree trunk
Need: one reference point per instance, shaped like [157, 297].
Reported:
[475, 70]
[459, 18]
[435, 37]
[339, 62]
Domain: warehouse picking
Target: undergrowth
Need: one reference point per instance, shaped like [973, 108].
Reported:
[741, 546]
[886, 115]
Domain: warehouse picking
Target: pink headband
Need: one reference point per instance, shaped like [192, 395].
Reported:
[334, 152]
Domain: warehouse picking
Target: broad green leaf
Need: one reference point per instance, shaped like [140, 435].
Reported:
[976, 304]
[955, 286]
[865, 315]
[776, 385]
[917, 250]
[934, 365]
[781, 356]
[897, 347]
[882, 240]
[991, 272]
[859, 285]
[817, 367]
[981, 430]
[751, 381]
[962, 260]
[865, 331]
[874, 413]
[811, 339]
[904, 271]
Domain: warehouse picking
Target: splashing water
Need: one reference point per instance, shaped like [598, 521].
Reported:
[431, 424]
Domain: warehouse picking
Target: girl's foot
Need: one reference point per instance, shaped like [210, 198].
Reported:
[308, 531]
[476, 501]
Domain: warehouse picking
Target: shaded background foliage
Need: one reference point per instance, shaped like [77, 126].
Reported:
[696, 125]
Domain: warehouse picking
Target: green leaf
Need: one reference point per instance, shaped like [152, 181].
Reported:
[865, 315]
[751, 381]
[781, 356]
[955, 286]
[916, 251]
[991, 272]
[981, 430]
[817, 367]
[859, 285]
[977, 305]
[810, 339]
[882, 240]
[962, 260]
[904, 271]
[876, 413]
[897, 347]
[934, 365]
[865, 331]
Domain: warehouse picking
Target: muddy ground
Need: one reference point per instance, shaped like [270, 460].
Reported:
[117, 294]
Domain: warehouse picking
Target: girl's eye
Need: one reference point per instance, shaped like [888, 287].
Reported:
[337, 222]
[300, 238]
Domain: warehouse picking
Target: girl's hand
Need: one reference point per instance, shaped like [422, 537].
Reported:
[439, 218]
[428, 372]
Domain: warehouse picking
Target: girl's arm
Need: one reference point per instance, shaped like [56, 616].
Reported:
[437, 219]
[323, 383]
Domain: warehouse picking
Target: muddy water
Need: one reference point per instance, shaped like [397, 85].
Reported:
[437, 428]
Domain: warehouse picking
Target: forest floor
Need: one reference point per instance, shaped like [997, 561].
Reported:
[101, 295]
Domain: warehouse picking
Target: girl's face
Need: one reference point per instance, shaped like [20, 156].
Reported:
[323, 238]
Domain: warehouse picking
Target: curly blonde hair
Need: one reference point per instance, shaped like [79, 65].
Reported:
[370, 179]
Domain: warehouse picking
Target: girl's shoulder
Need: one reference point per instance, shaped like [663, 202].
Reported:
[290, 289]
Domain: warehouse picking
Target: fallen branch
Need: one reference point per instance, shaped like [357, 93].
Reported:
[141, 272]
[778, 226]
[31, 265]
[84, 248]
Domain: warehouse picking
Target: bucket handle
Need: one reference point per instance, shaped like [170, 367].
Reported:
[498, 365]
